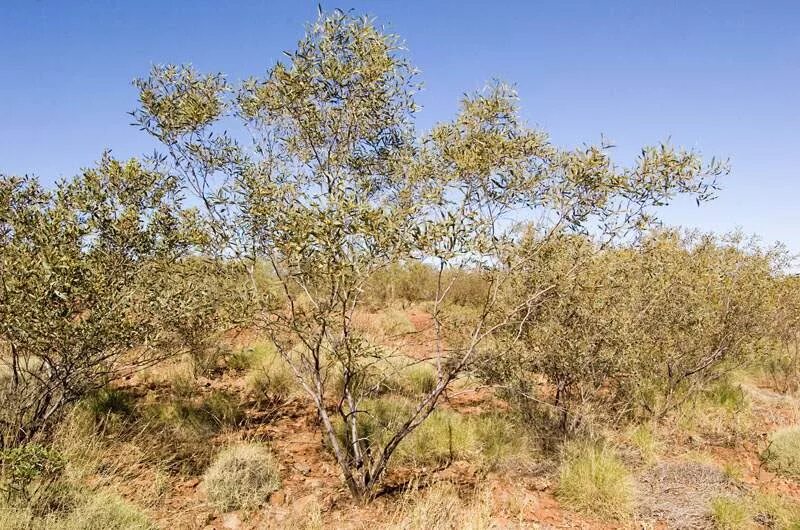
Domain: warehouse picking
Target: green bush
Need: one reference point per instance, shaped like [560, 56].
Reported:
[109, 401]
[28, 471]
[592, 479]
[417, 379]
[644, 439]
[242, 477]
[98, 511]
[443, 437]
[783, 453]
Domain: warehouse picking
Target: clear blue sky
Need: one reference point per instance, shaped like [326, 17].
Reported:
[722, 77]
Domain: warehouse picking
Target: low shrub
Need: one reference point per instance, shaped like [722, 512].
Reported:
[107, 512]
[499, 440]
[109, 401]
[727, 395]
[27, 472]
[97, 511]
[782, 455]
[593, 480]
[241, 477]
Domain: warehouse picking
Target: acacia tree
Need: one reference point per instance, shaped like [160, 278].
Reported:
[90, 286]
[571, 352]
[704, 305]
[334, 184]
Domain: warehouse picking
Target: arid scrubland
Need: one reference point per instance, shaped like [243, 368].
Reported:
[303, 312]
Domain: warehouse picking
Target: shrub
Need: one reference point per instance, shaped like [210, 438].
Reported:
[498, 439]
[351, 188]
[395, 322]
[92, 276]
[241, 477]
[730, 514]
[28, 471]
[223, 409]
[440, 507]
[728, 395]
[782, 455]
[593, 480]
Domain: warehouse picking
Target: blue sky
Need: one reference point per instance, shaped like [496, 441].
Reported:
[720, 77]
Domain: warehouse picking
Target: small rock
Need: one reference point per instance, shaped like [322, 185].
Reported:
[231, 521]
[278, 498]
[301, 505]
[192, 483]
[314, 483]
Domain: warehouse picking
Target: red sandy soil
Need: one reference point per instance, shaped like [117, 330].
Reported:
[310, 475]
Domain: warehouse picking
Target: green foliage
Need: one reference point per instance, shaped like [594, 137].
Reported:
[782, 455]
[90, 276]
[727, 395]
[730, 514]
[27, 471]
[98, 511]
[241, 477]
[776, 511]
[109, 401]
[417, 379]
[270, 379]
[593, 480]
[636, 329]
[445, 436]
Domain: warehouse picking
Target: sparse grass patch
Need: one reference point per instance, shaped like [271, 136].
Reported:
[644, 440]
[727, 395]
[593, 480]
[251, 357]
[417, 379]
[443, 437]
[109, 401]
[732, 471]
[783, 453]
[775, 511]
[730, 514]
[440, 507]
[241, 477]
[395, 322]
